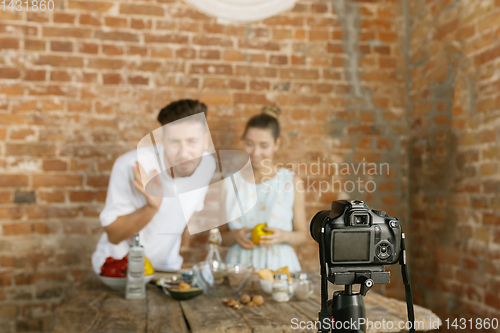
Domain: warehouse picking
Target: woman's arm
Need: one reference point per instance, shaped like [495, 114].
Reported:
[300, 230]
[229, 237]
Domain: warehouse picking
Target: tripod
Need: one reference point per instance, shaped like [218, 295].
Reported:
[347, 308]
[346, 304]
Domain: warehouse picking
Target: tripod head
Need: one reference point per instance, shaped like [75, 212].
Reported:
[365, 276]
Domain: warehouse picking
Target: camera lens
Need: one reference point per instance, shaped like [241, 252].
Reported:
[360, 219]
[316, 224]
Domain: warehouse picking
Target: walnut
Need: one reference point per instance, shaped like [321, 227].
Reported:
[251, 303]
[245, 298]
[238, 306]
[258, 300]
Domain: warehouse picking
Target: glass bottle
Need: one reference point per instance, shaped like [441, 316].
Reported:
[303, 287]
[214, 240]
[214, 269]
[281, 292]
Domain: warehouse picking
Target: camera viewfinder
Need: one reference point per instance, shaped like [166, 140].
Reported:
[360, 220]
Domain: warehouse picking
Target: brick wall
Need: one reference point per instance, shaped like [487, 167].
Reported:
[454, 120]
[82, 84]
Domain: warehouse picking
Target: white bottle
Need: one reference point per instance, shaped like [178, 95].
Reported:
[136, 288]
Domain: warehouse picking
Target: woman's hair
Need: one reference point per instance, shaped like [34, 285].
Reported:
[267, 119]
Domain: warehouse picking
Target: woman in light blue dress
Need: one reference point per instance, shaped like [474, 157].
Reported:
[279, 202]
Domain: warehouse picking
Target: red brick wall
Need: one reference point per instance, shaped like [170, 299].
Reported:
[454, 156]
[82, 84]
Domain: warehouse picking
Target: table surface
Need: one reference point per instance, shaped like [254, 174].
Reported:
[93, 307]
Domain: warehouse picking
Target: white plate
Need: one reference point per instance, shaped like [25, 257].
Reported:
[119, 283]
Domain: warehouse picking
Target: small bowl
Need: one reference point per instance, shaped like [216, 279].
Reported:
[119, 283]
[267, 286]
[182, 295]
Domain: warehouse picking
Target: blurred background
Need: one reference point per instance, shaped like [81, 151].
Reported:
[411, 83]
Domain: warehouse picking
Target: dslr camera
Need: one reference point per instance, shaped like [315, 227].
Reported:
[357, 236]
[355, 242]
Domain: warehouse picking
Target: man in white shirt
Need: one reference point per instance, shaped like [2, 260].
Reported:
[159, 219]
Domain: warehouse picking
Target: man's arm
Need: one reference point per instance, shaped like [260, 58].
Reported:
[127, 225]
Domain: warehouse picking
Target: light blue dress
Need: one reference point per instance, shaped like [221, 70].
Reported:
[275, 207]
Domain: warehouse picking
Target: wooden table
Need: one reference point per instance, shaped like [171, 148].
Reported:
[93, 307]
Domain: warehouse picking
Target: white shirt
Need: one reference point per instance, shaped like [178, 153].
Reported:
[161, 237]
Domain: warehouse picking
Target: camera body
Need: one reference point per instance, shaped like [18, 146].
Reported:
[356, 236]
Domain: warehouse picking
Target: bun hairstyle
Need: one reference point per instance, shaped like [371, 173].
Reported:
[267, 119]
[271, 110]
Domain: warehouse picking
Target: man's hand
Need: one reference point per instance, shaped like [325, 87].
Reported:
[153, 202]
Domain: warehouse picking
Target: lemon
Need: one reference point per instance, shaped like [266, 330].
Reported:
[148, 268]
[283, 270]
[258, 231]
[266, 274]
